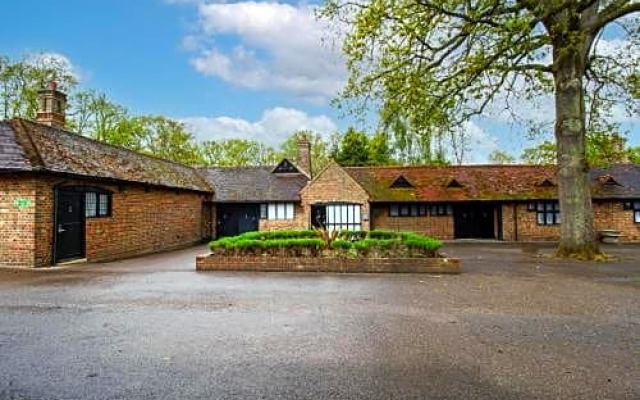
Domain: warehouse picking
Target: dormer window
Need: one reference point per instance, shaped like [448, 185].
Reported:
[546, 183]
[285, 167]
[401, 183]
[453, 183]
[607, 180]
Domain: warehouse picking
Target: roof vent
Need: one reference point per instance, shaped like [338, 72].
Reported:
[285, 167]
[546, 183]
[607, 180]
[401, 183]
[453, 183]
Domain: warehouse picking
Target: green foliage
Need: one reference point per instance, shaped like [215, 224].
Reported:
[353, 149]
[602, 148]
[501, 157]
[237, 153]
[20, 81]
[305, 242]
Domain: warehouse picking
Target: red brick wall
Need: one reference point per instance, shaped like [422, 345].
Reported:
[17, 220]
[526, 228]
[142, 221]
[333, 184]
[612, 215]
[440, 227]
[299, 221]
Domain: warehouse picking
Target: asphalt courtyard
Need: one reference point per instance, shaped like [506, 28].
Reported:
[515, 324]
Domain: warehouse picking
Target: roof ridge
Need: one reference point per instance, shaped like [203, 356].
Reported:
[114, 146]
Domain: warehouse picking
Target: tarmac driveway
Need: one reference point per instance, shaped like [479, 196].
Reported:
[513, 325]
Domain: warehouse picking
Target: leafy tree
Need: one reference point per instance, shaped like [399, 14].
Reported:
[440, 63]
[165, 138]
[501, 157]
[320, 155]
[603, 148]
[237, 153]
[94, 115]
[20, 81]
[353, 150]
[379, 150]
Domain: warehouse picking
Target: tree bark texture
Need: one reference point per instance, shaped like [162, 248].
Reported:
[577, 230]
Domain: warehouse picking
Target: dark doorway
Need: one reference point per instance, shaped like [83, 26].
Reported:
[474, 221]
[319, 216]
[69, 226]
[234, 219]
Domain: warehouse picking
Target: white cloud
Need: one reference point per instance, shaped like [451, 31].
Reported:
[56, 60]
[478, 144]
[274, 126]
[277, 46]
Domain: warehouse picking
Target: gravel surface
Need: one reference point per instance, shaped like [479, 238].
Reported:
[516, 324]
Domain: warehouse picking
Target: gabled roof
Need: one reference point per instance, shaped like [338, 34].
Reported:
[29, 146]
[625, 176]
[473, 182]
[254, 184]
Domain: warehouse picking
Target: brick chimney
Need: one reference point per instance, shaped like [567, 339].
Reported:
[303, 157]
[52, 104]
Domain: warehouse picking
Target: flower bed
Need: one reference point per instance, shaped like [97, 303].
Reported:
[375, 251]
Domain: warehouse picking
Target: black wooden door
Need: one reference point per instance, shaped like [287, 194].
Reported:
[474, 220]
[234, 219]
[69, 229]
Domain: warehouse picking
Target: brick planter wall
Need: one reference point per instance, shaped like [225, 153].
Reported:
[327, 264]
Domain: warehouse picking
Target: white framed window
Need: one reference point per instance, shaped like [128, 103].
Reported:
[277, 211]
[343, 217]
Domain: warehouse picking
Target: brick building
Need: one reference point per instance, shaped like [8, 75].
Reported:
[502, 202]
[258, 198]
[66, 197]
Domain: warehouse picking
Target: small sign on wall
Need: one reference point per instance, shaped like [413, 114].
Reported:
[22, 203]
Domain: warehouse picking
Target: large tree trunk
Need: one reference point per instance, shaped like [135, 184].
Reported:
[577, 230]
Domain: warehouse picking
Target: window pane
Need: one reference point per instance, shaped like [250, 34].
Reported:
[540, 218]
[272, 211]
[393, 210]
[549, 206]
[556, 206]
[636, 217]
[104, 205]
[356, 214]
[330, 214]
[91, 204]
[350, 211]
[289, 211]
[558, 218]
[263, 211]
[540, 206]
[414, 210]
[404, 210]
[549, 218]
[422, 209]
[636, 205]
[449, 209]
[343, 214]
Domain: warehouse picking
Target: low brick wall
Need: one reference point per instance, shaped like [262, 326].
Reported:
[327, 264]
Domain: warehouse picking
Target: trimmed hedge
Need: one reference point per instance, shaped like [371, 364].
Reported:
[314, 243]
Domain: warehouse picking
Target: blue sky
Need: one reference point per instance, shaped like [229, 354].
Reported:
[228, 69]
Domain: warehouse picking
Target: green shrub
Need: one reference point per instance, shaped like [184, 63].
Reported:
[306, 242]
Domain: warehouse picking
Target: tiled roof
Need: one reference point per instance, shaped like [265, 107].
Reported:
[29, 146]
[477, 182]
[625, 183]
[487, 182]
[254, 184]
